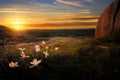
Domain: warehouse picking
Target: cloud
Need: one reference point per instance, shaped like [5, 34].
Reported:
[64, 24]
[15, 10]
[84, 12]
[55, 3]
[69, 24]
[91, 18]
[76, 18]
[38, 7]
[72, 3]
[91, 1]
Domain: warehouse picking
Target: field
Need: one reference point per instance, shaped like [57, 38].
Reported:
[39, 35]
[72, 55]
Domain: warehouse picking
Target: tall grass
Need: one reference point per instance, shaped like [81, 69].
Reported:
[77, 59]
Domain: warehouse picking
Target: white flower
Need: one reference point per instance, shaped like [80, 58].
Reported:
[57, 48]
[35, 62]
[46, 53]
[22, 49]
[13, 64]
[37, 48]
[22, 53]
[47, 47]
[43, 42]
[24, 56]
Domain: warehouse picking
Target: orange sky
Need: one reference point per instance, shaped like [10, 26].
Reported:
[51, 14]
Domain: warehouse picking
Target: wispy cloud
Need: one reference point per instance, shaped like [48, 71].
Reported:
[91, 1]
[64, 24]
[75, 18]
[52, 13]
[89, 18]
[84, 12]
[72, 3]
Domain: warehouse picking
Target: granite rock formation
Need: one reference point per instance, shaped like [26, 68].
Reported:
[109, 20]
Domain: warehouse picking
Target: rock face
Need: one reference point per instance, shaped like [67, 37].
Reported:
[109, 20]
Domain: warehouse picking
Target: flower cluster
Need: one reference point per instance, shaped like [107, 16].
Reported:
[35, 61]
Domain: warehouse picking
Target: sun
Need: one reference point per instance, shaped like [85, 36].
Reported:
[17, 25]
[18, 28]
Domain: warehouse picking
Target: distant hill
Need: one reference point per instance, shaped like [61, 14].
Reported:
[62, 33]
[5, 34]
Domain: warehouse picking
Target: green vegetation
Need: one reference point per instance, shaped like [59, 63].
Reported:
[62, 33]
[38, 35]
[5, 34]
[77, 59]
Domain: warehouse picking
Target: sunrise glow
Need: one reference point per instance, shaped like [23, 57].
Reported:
[17, 25]
[51, 14]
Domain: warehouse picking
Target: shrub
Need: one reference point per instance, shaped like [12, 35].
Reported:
[115, 37]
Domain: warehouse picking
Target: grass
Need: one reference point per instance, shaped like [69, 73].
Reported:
[77, 59]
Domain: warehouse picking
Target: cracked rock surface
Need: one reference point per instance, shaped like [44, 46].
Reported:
[109, 20]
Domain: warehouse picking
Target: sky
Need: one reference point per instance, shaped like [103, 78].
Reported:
[51, 14]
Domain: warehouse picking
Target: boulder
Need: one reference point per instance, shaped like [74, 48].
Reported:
[109, 20]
